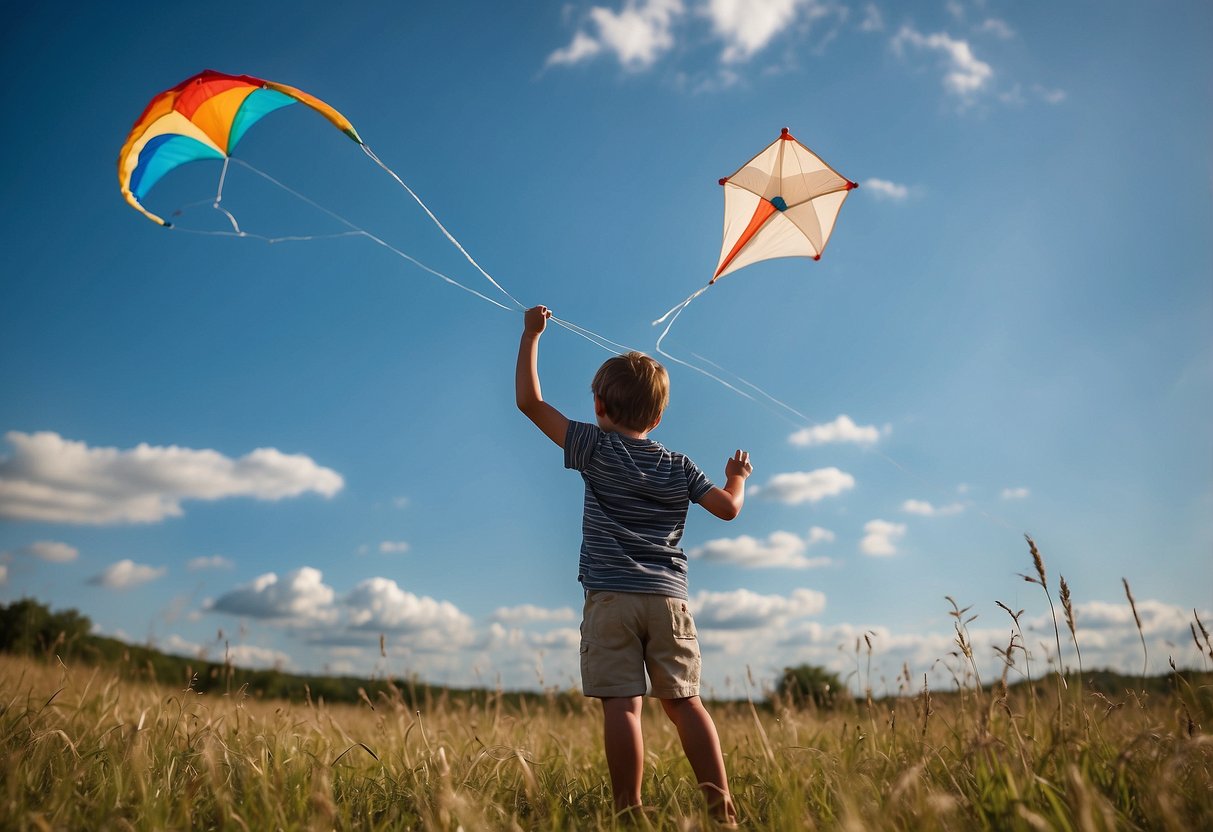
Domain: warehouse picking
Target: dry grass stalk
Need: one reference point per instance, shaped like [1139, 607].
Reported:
[1140, 632]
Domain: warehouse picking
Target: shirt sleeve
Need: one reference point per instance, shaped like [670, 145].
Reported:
[698, 483]
[579, 443]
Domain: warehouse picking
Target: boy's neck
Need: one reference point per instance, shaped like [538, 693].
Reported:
[608, 424]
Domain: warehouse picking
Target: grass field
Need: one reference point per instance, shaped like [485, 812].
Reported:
[91, 748]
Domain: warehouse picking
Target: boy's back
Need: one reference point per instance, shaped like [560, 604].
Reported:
[636, 497]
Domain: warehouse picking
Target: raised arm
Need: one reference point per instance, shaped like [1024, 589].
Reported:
[527, 391]
[726, 502]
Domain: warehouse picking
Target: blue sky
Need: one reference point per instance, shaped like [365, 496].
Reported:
[293, 448]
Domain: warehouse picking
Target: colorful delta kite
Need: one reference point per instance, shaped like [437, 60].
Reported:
[203, 117]
[781, 203]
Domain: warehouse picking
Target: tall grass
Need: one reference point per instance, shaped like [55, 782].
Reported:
[84, 749]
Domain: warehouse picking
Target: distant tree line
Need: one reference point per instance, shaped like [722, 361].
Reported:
[30, 628]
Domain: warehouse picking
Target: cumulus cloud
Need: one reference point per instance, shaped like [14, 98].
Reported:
[926, 509]
[52, 479]
[747, 26]
[842, 429]
[642, 31]
[393, 547]
[528, 613]
[741, 609]
[780, 549]
[885, 190]
[798, 487]
[379, 604]
[300, 596]
[880, 537]
[126, 574]
[240, 655]
[1016, 493]
[637, 35]
[53, 551]
[964, 74]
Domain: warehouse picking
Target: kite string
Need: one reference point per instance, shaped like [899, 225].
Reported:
[676, 311]
[804, 421]
[357, 231]
[441, 227]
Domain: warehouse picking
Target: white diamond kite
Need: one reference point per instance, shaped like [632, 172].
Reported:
[781, 203]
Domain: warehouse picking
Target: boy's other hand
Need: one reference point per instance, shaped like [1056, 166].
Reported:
[536, 320]
[739, 465]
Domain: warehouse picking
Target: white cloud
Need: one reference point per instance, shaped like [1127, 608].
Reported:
[741, 609]
[998, 28]
[53, 551]
[798, 487]
[379, 604]
[527, 613]
[965, 75]
[126, 574]
[880, 537]
[926, 509]
[747, 26]
[780, 549]
[211, 562]
[872, 21]
[884, 189]
[52, 479]
[1049, 96]
[842, 429]
[393, 547]
[1015, 493]
[240, 655]
[300, 597]
[637, 35]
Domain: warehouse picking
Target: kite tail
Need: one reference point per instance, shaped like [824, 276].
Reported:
[438, 223]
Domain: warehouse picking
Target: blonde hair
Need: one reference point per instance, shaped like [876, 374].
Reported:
[634, 390]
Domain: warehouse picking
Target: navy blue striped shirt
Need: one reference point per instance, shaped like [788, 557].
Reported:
[636, 498]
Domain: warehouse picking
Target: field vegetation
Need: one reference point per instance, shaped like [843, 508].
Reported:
[89, 746]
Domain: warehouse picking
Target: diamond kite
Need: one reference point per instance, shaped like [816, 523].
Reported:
[781, 203]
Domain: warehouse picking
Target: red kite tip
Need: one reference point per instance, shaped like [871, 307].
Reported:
[784, 132]
[722, 181]
[816, 256]
[852, 185]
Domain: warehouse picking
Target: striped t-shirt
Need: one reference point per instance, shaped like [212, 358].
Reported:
[636, 498]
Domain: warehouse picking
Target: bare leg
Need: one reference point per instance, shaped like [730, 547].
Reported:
[702, 746]
[624, 749]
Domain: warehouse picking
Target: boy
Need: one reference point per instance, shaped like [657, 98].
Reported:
[634, 575]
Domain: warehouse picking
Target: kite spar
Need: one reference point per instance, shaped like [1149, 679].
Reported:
[784, 202]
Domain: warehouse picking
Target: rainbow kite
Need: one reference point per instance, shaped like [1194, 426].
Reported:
[203, 117]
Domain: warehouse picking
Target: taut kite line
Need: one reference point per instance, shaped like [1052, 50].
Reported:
[205, 116]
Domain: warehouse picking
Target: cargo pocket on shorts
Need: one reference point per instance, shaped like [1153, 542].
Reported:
[682, 624]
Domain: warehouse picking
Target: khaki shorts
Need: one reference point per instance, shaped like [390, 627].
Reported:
[623, 633]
